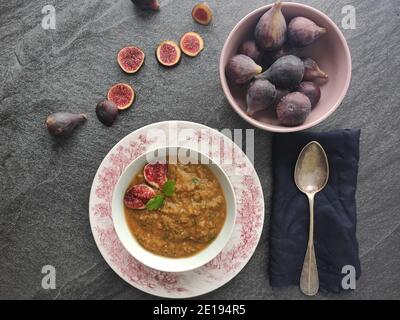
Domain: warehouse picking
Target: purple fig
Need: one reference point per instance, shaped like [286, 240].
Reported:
[147, 4]
[302, 32]
[312, 70]
[241, 69]
[63, 123]
[286, 72]
[311, 90]
[293, 109]
[107, 112]
[260, 96]
[270, 33]
[249, 48]
[280, 93]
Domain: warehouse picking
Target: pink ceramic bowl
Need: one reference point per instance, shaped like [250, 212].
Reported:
[330, 51]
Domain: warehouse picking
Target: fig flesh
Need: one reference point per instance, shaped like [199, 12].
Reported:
[147, 4]
[312, 71]
[62, 124]
[286, 72]
[249, 48]
[191, 44]
[130, 59]
[156, 174]
[311, 90]
[241, 69]
[137, 196]
[270, 33]
[168, 53]
[293, 109]
[261, 95]
[107, 112]
[202, 13]
[302, 31]
[122, 95]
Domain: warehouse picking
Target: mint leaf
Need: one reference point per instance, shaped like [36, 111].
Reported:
[155, 203]
[169, 188]
[195, 180]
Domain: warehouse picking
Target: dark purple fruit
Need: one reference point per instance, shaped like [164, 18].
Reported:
[147, 4]
[62, 124]
[137, 196]
[107, 112]
[293, 109]
[241, 69]
[270, 33]
[249, 48]
[156, 174]
[260, 96]
[286, 72]
[280, 93]
[302, 32]
[312, 70]
[311, 90]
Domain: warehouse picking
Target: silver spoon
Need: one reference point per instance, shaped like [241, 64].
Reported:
[311, 175]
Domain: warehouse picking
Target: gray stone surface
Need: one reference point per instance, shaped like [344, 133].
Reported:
[45, 184]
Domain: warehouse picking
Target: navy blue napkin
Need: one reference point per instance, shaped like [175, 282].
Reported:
[335, 210]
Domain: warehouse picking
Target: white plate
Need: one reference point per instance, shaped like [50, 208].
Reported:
[250, 210]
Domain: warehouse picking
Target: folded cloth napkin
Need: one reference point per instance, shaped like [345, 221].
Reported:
[335, 211]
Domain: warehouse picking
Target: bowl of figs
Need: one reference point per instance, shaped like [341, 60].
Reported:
[285, 67]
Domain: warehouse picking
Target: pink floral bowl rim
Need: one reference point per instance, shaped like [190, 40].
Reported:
[227, 264]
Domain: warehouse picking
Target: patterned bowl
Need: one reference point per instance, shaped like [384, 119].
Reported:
[330, 51]
[164, 263]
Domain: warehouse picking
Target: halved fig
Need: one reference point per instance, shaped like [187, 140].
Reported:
[147, 4]
[202, 13]
[122, 95]
[130, 59]
[156, 174]
[168, 53]
[137, 196]
[191, 44]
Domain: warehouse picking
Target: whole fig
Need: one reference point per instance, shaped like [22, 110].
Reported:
[293, 109]
[286, 72]
[270, 33]
[147, 4]
[302, 31]
[249, 48]
[261, 95]
[312, 70]
[241, 69]
[62, 124]
[107, 112]
[311, 90]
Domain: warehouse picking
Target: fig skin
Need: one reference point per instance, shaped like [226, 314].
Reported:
[312, 91]
[147, 4]
[191, 44]
[62, 124]
[137, 196]
[285, 73]
[173, 47]
[130, 59]
[280, 93]
[249, 48]
[241, 69]
[261, 95]
[312, 71]
[116, 95]
[270, 32]
[107, 112]
[303, 32]
[202, 13]
[156, 174]
[293, 109]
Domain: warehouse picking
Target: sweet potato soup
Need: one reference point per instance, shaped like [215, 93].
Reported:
[189, 219]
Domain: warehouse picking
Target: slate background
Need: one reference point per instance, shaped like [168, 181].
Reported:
[45, 184]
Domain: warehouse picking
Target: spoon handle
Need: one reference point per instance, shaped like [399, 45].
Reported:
[309, 282]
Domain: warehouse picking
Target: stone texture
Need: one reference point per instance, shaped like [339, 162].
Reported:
[45, 184]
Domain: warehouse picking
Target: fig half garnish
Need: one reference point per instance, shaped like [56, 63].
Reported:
[168, 53]
[130, 59]
[156, 174]
[202, 13]
[137, 196]
[191, 44]
[122, 95]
